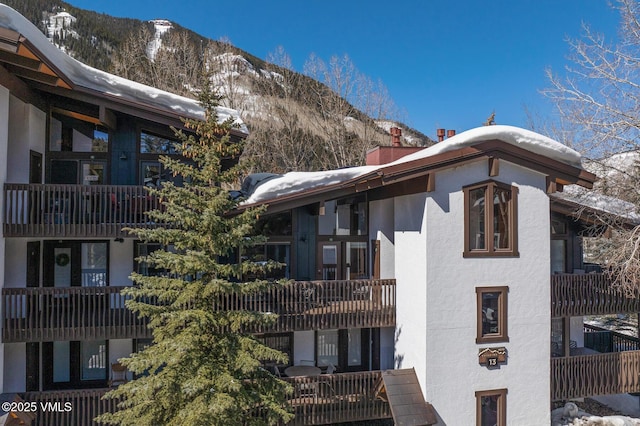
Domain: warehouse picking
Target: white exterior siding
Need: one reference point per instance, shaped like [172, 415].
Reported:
[436, 310]
[381, 228]
[411, 283]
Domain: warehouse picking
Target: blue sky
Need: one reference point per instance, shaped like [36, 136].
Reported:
[446, 63]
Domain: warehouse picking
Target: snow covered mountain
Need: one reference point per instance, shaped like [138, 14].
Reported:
[266, 95]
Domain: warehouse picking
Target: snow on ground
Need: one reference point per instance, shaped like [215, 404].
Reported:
[299, 181]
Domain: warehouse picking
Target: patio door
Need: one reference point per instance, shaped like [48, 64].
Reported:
[329, 261]
[75, 264]
[342, 260]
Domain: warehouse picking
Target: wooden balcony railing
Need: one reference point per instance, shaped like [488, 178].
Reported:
[69, 313]
[588, 294]
[85, 405]
[336, 398]
[326, 399]
[591, 375]
[80, 313]
[46, 210]
[320, 305]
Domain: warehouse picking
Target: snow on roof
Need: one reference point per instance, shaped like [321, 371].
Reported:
[298, 181]
[599, 202]
[531, 141]
[103, 82]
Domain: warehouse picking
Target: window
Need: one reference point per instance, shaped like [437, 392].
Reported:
[154, 144]
[492, 314]
[490, 231]
[151, 172]
[491, 407]
[344, 217]
[263, 254]
[74, 364]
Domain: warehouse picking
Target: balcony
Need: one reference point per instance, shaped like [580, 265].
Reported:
[69, 313]
[336, 398]
[599, 374]
[589, 294]
[84, 313]
[322, 305]
[44, 210]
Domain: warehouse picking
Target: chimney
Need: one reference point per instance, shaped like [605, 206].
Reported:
[395, 136]
[450, 133]
[440, 133]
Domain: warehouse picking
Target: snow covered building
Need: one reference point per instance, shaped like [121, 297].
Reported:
[396, 266]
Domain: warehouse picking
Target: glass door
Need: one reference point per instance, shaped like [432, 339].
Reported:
[329, 261]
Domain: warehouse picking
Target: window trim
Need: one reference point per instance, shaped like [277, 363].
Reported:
[503, 334]
[501, 409]
[490, 250]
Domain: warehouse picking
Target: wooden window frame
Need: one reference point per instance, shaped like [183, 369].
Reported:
[502, 335]
[501, 409]
[490, 250]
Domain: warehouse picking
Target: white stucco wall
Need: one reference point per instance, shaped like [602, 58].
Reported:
[411, 282]
[381, 228]
[27, 132]
[436, 310]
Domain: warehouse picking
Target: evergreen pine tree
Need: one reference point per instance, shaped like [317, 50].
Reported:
[203, 368]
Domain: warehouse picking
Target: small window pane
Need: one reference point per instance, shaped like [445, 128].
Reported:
[501, 202]
[355, 347]
[94, 264]
[327, 346]
[152, 144]
[492, 314]
[100, 141]
[476, 219]
[489, 412]
[490, 317]
[151, 174]
[94, 360]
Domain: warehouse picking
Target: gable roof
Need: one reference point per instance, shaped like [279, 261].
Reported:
[411, 174]
[25, 51]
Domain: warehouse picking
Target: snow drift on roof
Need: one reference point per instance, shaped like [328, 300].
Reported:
[599, 202]
[103, 82]
[298, 181]
[531, 141]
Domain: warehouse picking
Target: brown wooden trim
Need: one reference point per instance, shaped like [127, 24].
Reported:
[19, 89]
[431, 182]
[502, 336]
[501, 395]
[494, 166]
[490, 250]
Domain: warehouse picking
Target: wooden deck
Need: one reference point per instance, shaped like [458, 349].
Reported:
[326, 399]
[46, 210]
[82, 313]
[589, 294]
